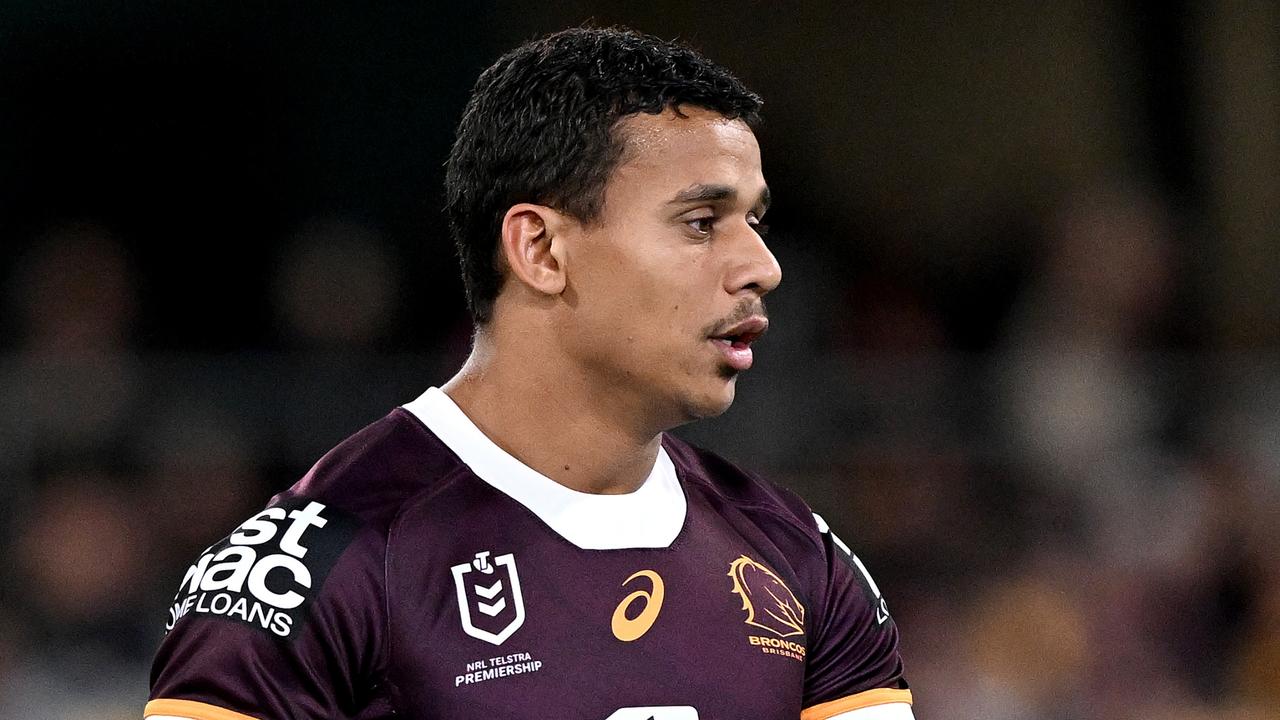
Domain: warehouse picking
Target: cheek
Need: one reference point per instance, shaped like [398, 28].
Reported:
[611, 302]
[671, 299]
[634, 276]
[649, 296]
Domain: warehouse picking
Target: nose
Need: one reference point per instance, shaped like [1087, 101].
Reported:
[754, 268]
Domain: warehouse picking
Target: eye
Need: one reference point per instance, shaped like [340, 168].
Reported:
[754, 221]
[703, 225]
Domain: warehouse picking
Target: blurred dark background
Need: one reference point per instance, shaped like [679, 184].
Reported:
[1024, 358]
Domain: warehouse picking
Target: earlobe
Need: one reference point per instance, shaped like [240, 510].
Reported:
[531, 247]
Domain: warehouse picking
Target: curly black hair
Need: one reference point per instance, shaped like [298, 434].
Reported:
[539, 128]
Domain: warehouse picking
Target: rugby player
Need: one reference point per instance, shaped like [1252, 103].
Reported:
[527, 541]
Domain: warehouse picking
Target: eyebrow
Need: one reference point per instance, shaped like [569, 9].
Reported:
[715, 193]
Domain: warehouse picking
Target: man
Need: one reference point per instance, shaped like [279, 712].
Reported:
[527, 542]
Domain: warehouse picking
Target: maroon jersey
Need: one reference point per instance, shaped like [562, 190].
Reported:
[420, 571]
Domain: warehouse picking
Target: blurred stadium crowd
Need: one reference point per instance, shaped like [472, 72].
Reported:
[1060, 467]
[1076, 524]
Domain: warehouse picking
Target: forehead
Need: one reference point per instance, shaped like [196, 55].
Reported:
[668, 152]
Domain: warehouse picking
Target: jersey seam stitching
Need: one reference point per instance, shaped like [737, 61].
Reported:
[426, 493]
[811, 533]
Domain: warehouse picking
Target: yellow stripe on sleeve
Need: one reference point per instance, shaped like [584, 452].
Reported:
[869, 698]
[191, 709]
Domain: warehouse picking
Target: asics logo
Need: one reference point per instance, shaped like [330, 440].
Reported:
[627, 628]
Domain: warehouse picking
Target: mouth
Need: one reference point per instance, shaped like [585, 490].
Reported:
[734, 343]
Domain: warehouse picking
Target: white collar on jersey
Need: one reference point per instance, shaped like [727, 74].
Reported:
[650, 517]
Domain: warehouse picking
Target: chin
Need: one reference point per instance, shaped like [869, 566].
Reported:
[713, 400]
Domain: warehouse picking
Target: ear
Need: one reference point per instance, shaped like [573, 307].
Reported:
[533, 247]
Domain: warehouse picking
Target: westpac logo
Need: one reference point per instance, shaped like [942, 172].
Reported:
[494, 586]
[265, 572]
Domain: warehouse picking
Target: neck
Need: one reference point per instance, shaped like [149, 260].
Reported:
[552, 419]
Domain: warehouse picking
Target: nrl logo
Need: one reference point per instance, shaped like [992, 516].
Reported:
[769, 603]
[492, 590]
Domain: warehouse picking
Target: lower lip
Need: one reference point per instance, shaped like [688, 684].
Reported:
[737, 355]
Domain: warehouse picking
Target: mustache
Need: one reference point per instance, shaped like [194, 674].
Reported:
[744, 310]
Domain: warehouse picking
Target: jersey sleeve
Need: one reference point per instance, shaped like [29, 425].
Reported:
[853, 663]
[283, 618]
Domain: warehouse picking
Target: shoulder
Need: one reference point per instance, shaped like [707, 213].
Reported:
[373, 473]
[322, 542]
[746, 491]
[292, 606]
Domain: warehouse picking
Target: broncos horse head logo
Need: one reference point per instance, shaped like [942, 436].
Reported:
[769, 603]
